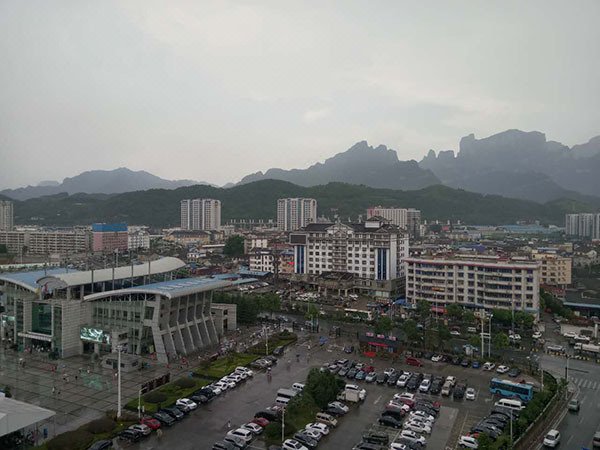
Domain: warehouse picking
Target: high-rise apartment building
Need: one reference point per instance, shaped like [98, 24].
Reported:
[295, 213]
[6, 215]
[586, 225]
[201, 214]
[474, 282]
[407, 218]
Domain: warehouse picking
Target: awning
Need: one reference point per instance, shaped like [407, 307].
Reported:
[400, 301]
[16, 415]
[377, 344]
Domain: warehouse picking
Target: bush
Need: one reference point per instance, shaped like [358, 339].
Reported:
[71, 440]
[185, 383]
[273, 431]
[101, 425]
[155, 397]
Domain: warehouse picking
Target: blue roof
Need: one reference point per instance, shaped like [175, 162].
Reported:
[109, 227]
[253, 273]
[29, 279]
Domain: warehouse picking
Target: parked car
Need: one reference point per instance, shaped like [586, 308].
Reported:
[475, 364]
[145, 430]
[260, 421]
[402, 380]
[412, 361]
[174, 412]
[185, 404]
[393, 379]
[425, 385]
[502, 369]
[412, 436]
[376, 437]
[320, 427]
[101, 445]
[459, 391]
[150, 422]
[292, 444]
[382, 378]
[223, 445]
[129, 435]
[371, 376]
[164, 418]
[417, 427]
[254, 428]
[514, 372]
[389, 421]
[470, 393]
[468, 442]
[235, 440]
[489, 366]
[305, 439]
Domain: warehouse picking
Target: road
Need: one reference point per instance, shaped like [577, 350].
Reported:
[577, 429]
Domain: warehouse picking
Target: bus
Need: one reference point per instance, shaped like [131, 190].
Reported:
[360, 314]
[509, 389]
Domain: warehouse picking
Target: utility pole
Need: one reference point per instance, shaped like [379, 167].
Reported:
[490, 337]
[119, 382]
[283, 425]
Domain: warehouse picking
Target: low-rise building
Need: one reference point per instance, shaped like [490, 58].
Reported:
[142, 307]
[556, 269]
[109, 237]
[62, 241]
[474, 282]
[138, 238]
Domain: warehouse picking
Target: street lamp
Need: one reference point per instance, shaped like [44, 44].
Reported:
[119, 350]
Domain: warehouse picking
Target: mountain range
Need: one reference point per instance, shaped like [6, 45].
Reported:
[258, 200]
[377, 167]
[520, 164]
[98, 182]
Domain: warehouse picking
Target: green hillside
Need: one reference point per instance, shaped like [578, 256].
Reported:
[160, 207]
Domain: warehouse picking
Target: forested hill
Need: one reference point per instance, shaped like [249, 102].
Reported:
[160, 207]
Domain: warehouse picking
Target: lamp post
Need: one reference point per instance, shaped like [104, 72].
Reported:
[283, 425]
[119, 350]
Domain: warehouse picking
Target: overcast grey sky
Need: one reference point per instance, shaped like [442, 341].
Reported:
[215, 90]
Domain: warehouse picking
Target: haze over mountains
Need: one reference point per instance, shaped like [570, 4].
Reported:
[98, 182]
[513, 164]
[520, 164]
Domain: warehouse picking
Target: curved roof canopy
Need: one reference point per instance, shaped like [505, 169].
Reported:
[64, 280]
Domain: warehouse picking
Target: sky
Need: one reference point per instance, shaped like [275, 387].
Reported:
[214, 90]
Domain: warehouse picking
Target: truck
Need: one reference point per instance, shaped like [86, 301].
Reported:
[588, 348]
[352, 393]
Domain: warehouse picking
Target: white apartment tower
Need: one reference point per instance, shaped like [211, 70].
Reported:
[201, 214]
[6, 215]
[295, 213]
[406, 218]
[586, 225]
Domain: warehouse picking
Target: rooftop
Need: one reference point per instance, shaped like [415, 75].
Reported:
[169, 289]
[28, 280]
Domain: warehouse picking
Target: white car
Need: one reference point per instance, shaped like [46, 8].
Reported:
[242, 375]
[570, 335]
[489, 366]
[242, 433]
[216, 389]
[468, 442]
[514, 337]
[389, 372]
[320, 427]
[425, 385]
[470, 394]
[455, 333]
[537, 335]
[291, 444]
[186, 404]
[413, 437]
[437, 358]
[404, 396]
[254, 428]
[552, 438]
[248, 372]
[221, 385]
[422, 415]
[313, 433]
[502, 369]
[451, 379]
[417, 427]
[398, 446]
[141, 428]
[421, 421]
[402, 380]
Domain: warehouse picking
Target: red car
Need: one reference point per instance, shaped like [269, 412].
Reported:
[369, 369]
[260, 421]
[151, 422]
[411, 361]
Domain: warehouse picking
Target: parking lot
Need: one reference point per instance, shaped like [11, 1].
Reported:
[209, 423]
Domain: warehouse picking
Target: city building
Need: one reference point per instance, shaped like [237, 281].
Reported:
[109, 237]
[406, 218]
[556, 269]
[141, 307]
[224, 317]
[474, 282]
[137, 238]
[271, 260]
[584, 225]
[189, 237]
[201, 214]
[62, 241]
[6, 215]
[295, 213]
[351, 257]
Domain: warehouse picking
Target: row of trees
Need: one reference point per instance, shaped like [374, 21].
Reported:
[250, 306]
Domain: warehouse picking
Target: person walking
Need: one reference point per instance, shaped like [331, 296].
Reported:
[229, 424]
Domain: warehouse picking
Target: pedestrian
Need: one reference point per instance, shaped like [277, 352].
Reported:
[229, 424]
[159, 433]
[53, 390]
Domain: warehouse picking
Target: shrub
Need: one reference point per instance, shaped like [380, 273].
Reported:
[155, 397]
[101, 425]
[185, 383]
[71, 440]
[273, 430]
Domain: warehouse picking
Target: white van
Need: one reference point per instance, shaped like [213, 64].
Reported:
[515, 405]
[327, 419]
[299, 387]
[282, 401]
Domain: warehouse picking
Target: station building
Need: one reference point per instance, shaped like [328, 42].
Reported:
[144, 308]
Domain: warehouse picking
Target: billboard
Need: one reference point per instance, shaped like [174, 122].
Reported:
[96, 335]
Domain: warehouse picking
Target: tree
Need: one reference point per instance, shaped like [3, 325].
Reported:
[234, 246]
[323, 387]
[468, 317]
[409, 327]
[312, 311]
[423, 309]
[500, 341]
[383, 325]
[455, 311]
[475, 341]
